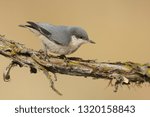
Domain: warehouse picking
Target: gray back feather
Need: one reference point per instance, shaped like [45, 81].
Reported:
[59, 34]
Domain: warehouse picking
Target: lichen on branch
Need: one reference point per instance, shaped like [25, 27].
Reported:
[118, 73]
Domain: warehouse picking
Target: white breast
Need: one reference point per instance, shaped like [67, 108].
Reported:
[62, 50]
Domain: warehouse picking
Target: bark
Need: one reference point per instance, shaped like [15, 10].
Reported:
[118, 73]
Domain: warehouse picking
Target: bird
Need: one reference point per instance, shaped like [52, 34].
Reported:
[59, 39]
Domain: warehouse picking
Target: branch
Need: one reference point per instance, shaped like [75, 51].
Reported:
[117, 73]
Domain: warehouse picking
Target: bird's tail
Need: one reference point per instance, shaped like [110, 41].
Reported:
[30, 25]
[35, 27]
[24, 26]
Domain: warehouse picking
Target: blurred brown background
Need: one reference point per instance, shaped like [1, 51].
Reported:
[120, 28]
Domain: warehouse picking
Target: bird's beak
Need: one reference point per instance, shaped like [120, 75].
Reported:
[90, 41]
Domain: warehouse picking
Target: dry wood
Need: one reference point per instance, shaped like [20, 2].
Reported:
[118, 73]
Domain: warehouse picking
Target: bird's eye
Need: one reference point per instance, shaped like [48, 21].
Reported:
[81, 37]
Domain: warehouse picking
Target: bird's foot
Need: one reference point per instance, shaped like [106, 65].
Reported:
[64, 58]
[45, 55]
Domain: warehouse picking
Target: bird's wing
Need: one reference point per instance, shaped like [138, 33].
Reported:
[59, 34]
[42, 28]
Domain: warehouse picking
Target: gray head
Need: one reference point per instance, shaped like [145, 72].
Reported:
[80, 33]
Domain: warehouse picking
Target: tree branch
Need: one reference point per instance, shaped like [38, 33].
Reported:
[117, 73]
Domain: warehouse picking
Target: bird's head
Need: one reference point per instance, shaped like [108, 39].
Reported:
[80, 34]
